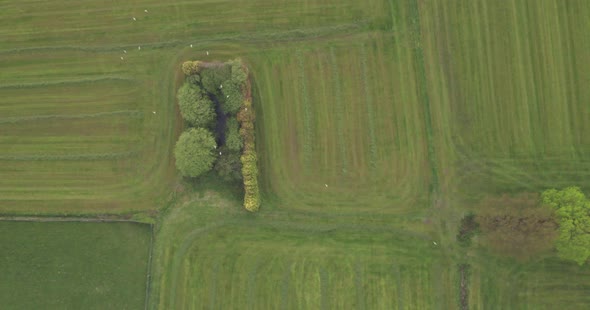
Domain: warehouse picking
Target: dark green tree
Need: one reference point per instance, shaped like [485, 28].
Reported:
[573, 212]
[213, 77]
[195, 152]
[195, 107]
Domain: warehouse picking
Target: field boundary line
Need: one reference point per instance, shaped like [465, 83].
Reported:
[44, 219]
[148, 285]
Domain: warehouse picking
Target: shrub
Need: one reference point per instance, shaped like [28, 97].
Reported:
[232, 97]
[195, 107]
[195, 152]
[239, 75]
[233, 140]
[194, 79]
[191, 67]
[228, 165]
[467, 229]
[246, 119]
[250, 176]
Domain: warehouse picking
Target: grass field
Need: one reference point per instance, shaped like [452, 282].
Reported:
[379, 123]
[59, 265]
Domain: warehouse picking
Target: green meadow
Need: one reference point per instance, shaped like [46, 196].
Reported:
[66, 265]
[379, 125]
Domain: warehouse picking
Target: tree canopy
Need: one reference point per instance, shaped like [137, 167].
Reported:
[573, 212]
[195, 152]
[195, 107]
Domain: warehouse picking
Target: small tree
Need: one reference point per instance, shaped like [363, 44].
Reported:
[573, 211]
[191, 67]
[195, 107]
[195, 152]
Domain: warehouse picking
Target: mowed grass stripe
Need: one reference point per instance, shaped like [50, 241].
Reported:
[97, 99]
[31, 118]
[93, 24]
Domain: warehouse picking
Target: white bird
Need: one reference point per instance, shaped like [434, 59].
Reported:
[125, 51]
[122, 58]
[227, 96]
[134, 19]
[326, 185]
[246, 109]
[139, 47]
[220, 86]
[191, 46]
[154, 112]
[434, 243]
[219, 153]
[207, 53]
[145, 11]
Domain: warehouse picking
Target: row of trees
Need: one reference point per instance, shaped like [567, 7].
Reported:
[215, 102]
[528, 224]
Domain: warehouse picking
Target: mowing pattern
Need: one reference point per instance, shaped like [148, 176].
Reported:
[325, 127]
[80, 84]
[217, 258]
[509, 84]
[547, 284]
[74, 128]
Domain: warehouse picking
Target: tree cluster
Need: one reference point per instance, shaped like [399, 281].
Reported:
[216, 96]
[573, 213]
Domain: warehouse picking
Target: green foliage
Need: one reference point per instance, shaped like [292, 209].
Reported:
[213, 77]
[194, 152]
[191, 67]
[239, 73]
[195, 107]
[228, 165]
[467, 229]
[194, 79]
[233, 140]
[246, 118]
[232, 97]
[573, 211]
[518, 226]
